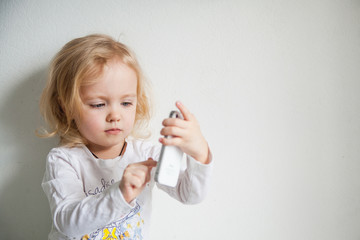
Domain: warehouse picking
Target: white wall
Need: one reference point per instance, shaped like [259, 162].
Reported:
[275, 85]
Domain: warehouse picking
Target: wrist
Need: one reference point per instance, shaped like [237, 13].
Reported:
[204, 158]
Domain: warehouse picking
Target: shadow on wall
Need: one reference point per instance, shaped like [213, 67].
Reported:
[24, 209]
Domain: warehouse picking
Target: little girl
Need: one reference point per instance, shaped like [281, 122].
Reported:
[99, 180]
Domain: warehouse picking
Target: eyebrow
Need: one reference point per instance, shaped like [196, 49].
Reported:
[91, 96]
[129, 96]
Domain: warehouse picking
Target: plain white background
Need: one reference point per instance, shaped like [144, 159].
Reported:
[275, 85]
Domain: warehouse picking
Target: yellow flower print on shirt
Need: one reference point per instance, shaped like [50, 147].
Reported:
[107, 234]
[129, 227]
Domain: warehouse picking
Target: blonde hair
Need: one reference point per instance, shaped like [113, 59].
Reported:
[81, 59]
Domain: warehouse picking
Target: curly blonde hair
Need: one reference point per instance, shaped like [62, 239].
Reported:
[78, 61]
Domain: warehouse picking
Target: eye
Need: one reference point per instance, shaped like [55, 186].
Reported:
[98, 105]
[126, 104]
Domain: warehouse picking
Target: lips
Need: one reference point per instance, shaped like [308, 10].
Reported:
[113, 131]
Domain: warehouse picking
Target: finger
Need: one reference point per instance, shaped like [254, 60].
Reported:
[150, 163]
[140, 176]
[138, 170]
[184, 111]
[143, 172]
[148, 176]
[175, 141]
[172, 131]
[131, 180]
[174, 122]
[136, 182]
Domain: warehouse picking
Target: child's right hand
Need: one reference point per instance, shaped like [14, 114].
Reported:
[134, 179]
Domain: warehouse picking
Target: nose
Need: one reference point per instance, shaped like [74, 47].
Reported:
[114, 115]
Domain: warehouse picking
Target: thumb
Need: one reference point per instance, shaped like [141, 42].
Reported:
[149, 163]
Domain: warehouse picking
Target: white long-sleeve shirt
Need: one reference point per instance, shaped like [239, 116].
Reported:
[86, 201]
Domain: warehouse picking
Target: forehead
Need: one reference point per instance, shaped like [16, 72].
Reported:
[116, 78]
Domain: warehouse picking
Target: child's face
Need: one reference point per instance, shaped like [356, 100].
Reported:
[108, 107]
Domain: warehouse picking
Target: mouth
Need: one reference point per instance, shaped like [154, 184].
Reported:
[113, 131]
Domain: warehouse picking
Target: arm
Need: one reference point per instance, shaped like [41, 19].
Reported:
[74, 213]
[193, 183]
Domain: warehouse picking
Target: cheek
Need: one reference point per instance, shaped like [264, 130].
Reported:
[131, 119]
[92, 123]
[88, 123]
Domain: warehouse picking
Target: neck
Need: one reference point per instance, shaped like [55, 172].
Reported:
[107, 153]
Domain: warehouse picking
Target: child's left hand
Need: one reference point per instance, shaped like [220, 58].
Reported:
[186, 135]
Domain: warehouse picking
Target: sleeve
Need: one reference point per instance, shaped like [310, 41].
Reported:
[75, 214]
[193, 183]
